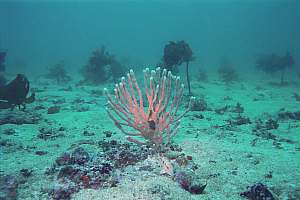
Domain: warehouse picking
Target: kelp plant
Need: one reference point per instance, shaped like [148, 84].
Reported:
[272, 63]
[101, 67]
[58, 73]
[2, 61]
[2, 68]
[226, 72]
[176, 53]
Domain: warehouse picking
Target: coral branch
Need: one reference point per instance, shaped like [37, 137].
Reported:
[160, 121]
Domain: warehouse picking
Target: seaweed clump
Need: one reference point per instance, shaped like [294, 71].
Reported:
[175, 54]
[2, 68]
[58, 73]
[15, 93]
[101, 67]
[2, 61]
[273, 63]
[2, 80]
[202, 76]
[226, 72]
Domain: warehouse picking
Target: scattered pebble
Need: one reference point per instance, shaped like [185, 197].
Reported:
[53, 110]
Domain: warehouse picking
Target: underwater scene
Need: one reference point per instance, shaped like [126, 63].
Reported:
[150, 99]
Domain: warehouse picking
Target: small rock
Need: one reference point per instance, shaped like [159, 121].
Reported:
[39, 107]
[47, 133]
[59, 101]
[269, 175]
[19, 117]
[107, 133]
[106, 168]
[289, 115]
[97, 93]
[64, 159]
[8, 187]
[88, 133]
[82, 108]
[183, 179]
[271, 124]
[68, 172]
[182, 161]
[258, 191]
[79, 156]
[9, 131]
[41, 153]
[199, 105]
[26, 172]
[198, 116]
[62, 193]
[222, 110]
[197, 189]
[113, 142]
[189, 157]
[61, 128]
[238, 108]
[53, 109]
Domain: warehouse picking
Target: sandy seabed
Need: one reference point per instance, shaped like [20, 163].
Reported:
[229, 157]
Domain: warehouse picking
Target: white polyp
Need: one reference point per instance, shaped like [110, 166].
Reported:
[164, 73]
[123, 78]
[152, 73]
[131, 72]
[158, 69]
[182, 85]
[169, 73]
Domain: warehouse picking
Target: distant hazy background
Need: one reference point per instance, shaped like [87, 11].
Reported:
[37, 34]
